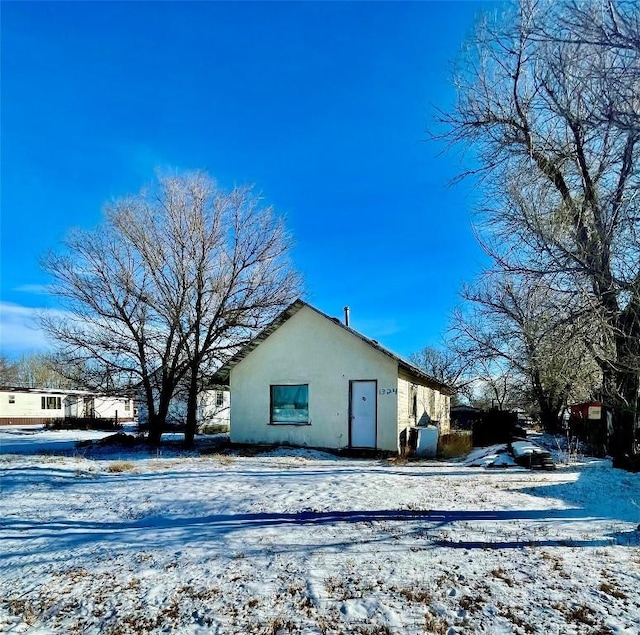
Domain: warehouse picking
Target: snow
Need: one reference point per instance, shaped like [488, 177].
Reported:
[491, 456]
[299, 541]
[30, 439]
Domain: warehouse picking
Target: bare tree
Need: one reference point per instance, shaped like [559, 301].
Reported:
[538, 345]
[8, 372]
[495, 385]
[559, 164]
[614, 29]
[36, 370]
[446, 365]
[173, 283]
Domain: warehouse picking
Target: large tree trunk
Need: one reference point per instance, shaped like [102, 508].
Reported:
[155, 429]
[549, 416]
[192, 410]
[622, 386]
[157, 423]
[550, 408]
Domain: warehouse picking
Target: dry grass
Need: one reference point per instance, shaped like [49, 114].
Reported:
[120, 466]
[399, 459]
[612, 590]
[279, 625]
[454, 444]
[213, 428]
[510, 614]
[435, 625]
[413, 595]
[582, 615]
[501, 574]
[336, 588]
[472, 604]
[23, 608]
[223, 459]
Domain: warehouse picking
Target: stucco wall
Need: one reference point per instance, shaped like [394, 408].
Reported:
[309, 349]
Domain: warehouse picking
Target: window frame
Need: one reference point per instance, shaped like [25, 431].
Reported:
[219, 398]
[12, 398]
[50, 402]
[274, 421]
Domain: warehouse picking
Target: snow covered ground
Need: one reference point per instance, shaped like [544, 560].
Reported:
[296, 541]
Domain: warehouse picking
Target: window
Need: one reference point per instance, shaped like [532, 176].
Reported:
[413, 401]
[127, 404]
[51, 403]
[219, 397]
[12, 398]
[290, 404]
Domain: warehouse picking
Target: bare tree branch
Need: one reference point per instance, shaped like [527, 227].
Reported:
[176, 279]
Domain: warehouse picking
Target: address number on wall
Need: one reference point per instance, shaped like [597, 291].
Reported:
[388, 391]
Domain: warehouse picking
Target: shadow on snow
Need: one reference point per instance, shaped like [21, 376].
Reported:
[178, 531]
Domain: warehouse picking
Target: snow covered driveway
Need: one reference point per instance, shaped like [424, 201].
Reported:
[301, 542]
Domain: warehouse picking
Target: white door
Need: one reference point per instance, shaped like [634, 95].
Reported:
[363, 413]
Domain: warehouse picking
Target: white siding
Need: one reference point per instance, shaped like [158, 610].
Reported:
[310, 349]
[29, 405]
[431, 405]
[20, 405]
[109, 407]
[210, 411]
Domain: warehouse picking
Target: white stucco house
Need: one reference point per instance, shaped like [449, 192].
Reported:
[21, 406]
[310, 380]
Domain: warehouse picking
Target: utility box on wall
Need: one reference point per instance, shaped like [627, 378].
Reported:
[427, 441]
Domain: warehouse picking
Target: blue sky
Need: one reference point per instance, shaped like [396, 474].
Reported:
[323, 106]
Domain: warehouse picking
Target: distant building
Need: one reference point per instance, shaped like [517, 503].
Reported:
[463, 416]
[213, 409]
[212, 412]
[23, 406]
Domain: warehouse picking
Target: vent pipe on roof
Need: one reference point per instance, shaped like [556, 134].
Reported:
[346, 316]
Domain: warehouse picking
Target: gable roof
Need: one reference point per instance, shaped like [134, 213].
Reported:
[222, 375]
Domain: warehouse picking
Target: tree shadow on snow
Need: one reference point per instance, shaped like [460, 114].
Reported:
[176, 532]
[599, 490]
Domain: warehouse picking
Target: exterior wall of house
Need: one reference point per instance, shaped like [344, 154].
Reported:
[431, 405]
[18, 407]
[209, 412]
[310, 349]
[74, 406]
[442, 411]
[109, 407]
[21, 407]
[213, 409]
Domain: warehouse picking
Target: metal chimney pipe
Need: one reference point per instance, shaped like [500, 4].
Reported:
[346, 316]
